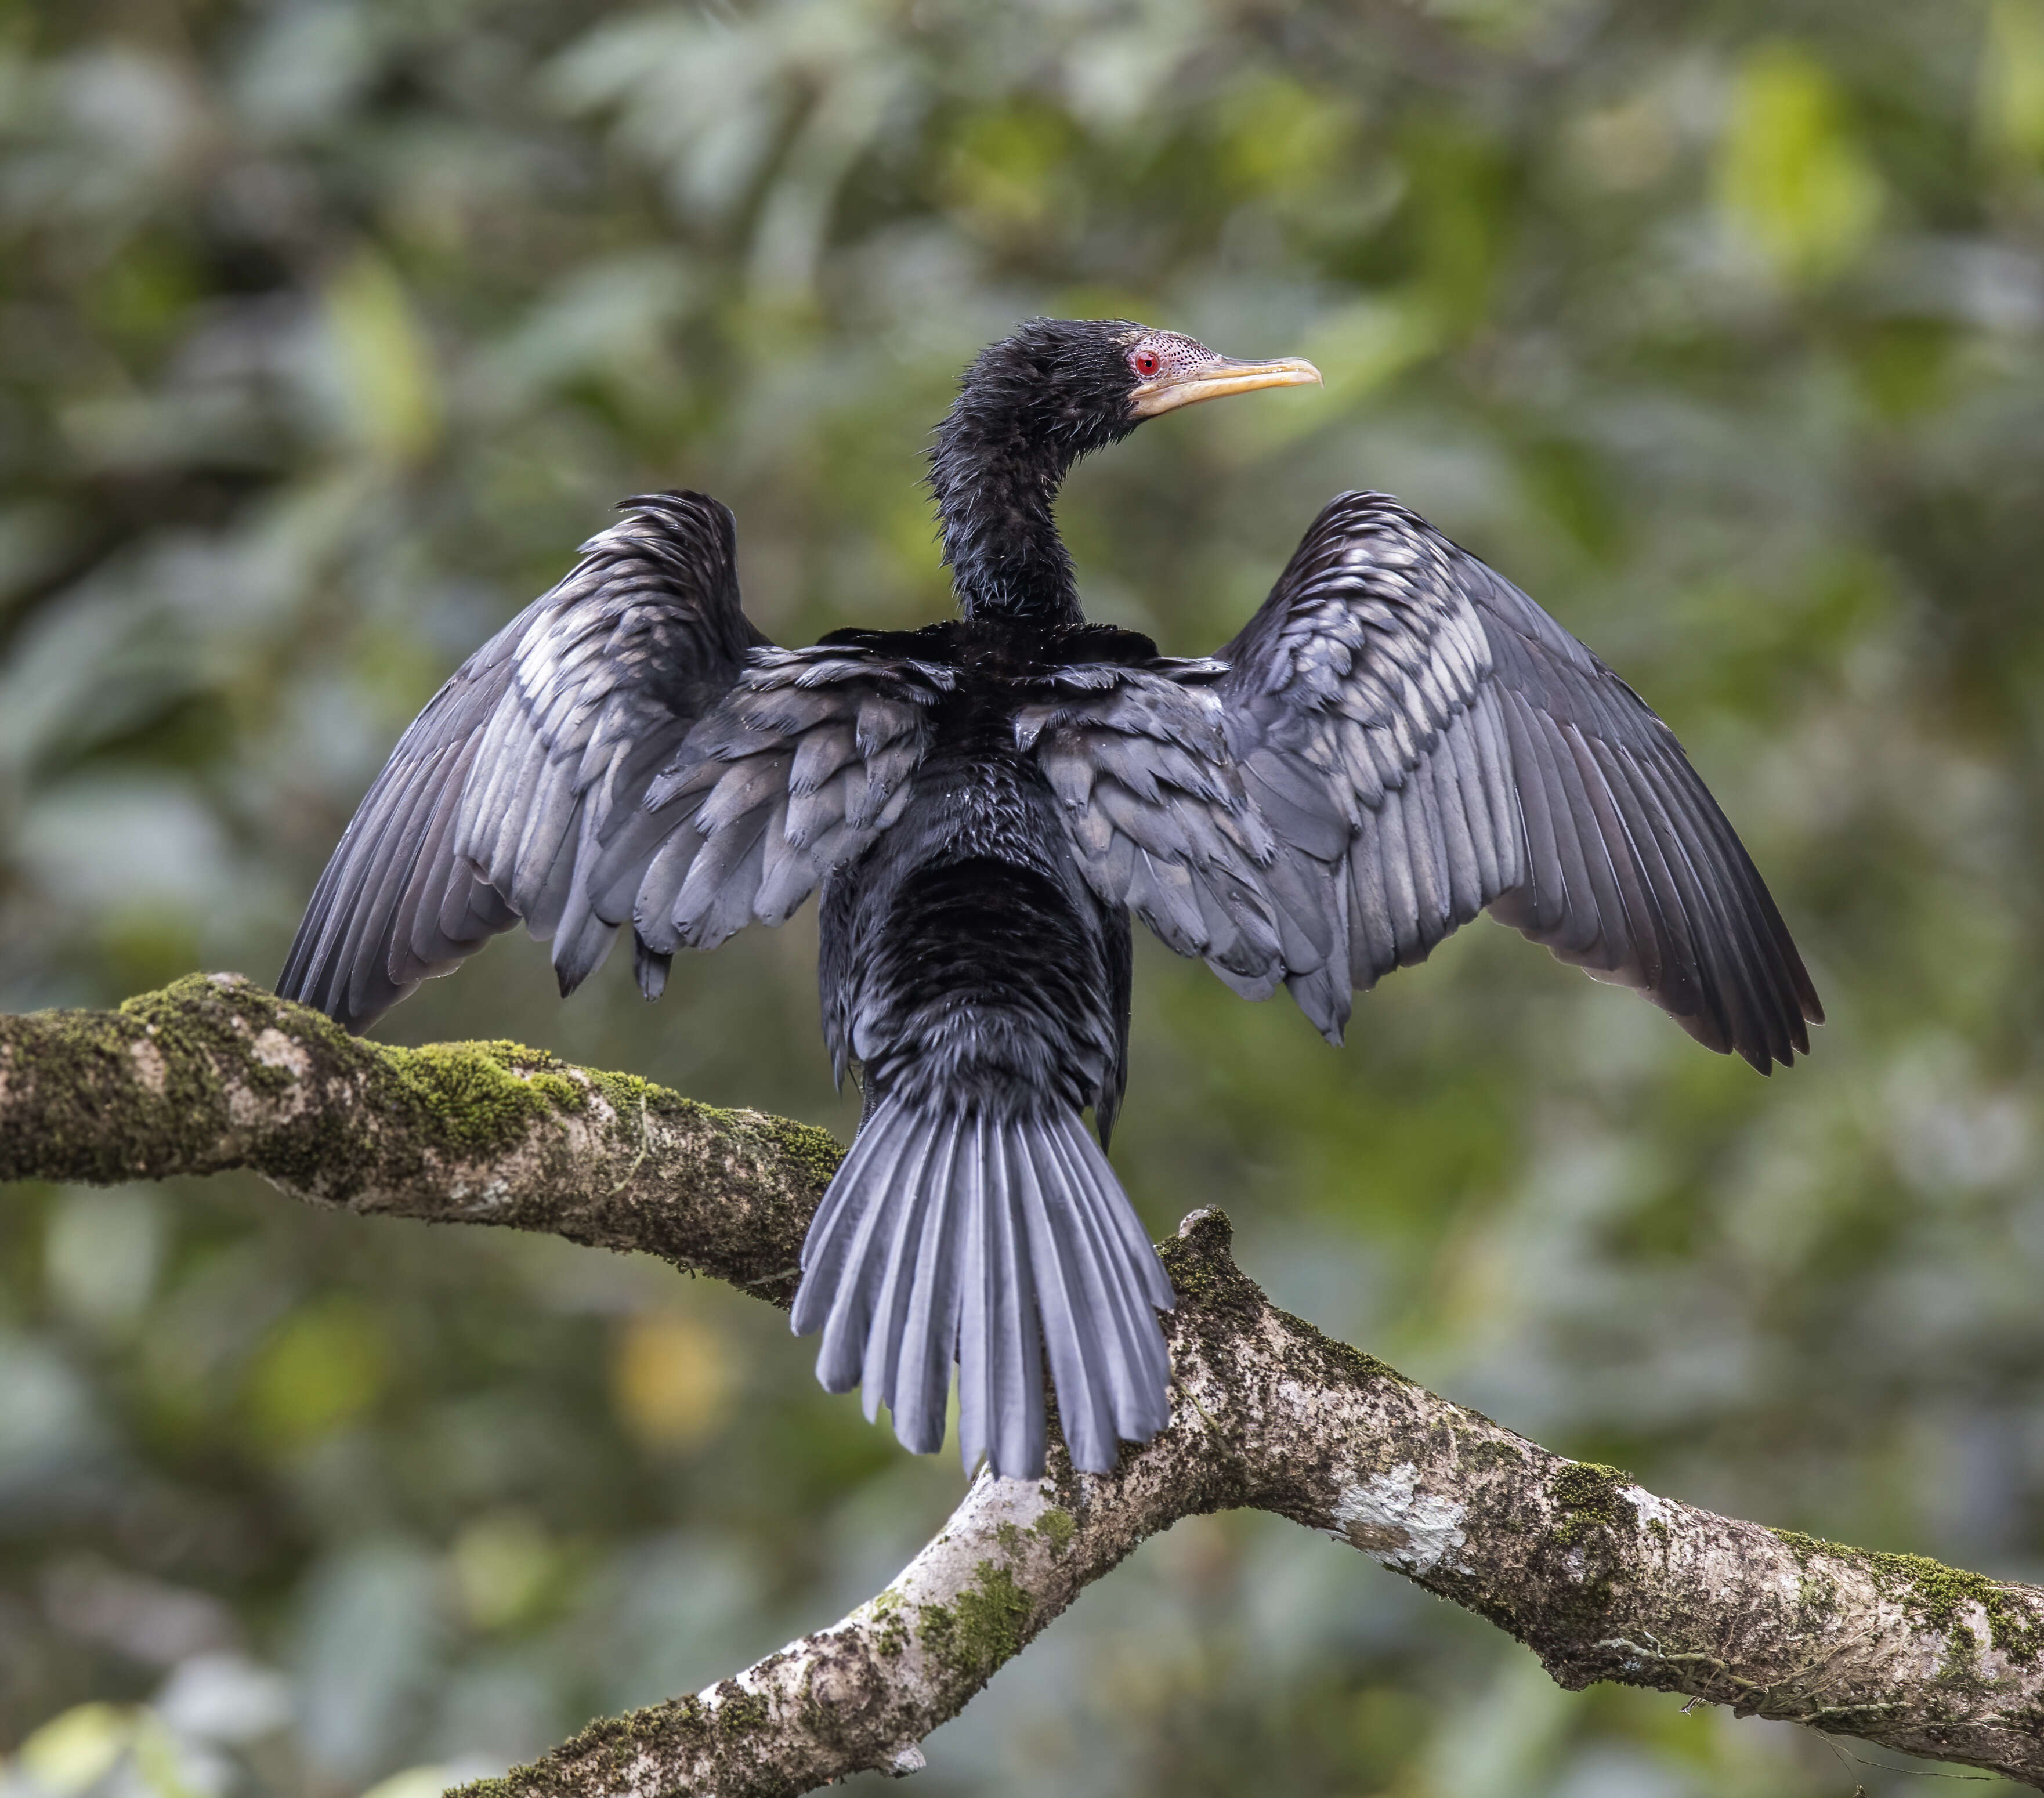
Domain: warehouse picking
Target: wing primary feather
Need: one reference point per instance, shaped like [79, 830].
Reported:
[1546, 887]
[1629, 945]
[1745, 951]
[1721, 975]
[434, 868]
[1776, 951]
[1690, 987]
[367, 946]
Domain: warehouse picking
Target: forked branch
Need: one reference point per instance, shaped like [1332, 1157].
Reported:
[1601, 1578]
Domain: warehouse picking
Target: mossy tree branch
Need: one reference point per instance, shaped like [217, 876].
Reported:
[1603, 1580]
[214, 1074]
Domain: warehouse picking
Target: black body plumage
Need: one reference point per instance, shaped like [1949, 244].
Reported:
[1398, 739]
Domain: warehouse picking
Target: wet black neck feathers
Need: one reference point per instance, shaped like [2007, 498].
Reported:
[1028, 409]
[995, 489]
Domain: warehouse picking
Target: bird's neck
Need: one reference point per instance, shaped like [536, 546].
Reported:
[995, 489]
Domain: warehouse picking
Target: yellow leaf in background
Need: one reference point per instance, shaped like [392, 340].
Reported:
[325, 1367]
[391, 391]
[2012, 80]
[1791, 177]
[77, 1749]
[672, 1380]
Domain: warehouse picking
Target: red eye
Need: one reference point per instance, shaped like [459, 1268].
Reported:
[1146, 363]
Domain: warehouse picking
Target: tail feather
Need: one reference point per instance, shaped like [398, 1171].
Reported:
[1079, 1359]
[843, 1243]
[921, 1374]
[920, 1173]
[1125, 1282]
[1000, 1369]
[950, 1235]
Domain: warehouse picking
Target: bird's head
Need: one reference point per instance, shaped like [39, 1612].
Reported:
[1028, 407]
[1067, 386]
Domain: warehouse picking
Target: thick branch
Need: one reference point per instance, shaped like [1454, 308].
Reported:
[214, 1074]
[1601, 1579]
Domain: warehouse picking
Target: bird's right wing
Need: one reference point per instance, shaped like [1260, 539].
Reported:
[537, 751]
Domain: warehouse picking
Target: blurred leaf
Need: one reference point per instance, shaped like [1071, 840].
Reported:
[1458, 215]
[389, 386]
[504, 1567]
[165, 1767]
[418, 1782]
[1004, 174]
[1282, 137]
[325, 1366]
[369, 1636]
[2012, 80]
[224, 1697]
[74, 1752]
[48, 1421]
[1791, 176]
[1630, 145]
[1509, 1736]
[102, 1252]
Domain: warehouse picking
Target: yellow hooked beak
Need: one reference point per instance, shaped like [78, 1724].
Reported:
[1216, 380]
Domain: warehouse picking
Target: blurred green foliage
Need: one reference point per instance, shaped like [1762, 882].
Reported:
[328, 328]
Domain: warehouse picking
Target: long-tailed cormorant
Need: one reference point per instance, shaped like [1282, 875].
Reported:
[1397, 740]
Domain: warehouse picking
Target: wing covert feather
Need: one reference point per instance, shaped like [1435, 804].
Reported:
[1157, 813]
[796, 771]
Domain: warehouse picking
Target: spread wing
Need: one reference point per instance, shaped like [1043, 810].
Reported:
[1421, 741]
[796, 770]
[537, 750]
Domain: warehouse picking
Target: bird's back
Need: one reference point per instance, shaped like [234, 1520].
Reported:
[983, 988]
[965, 951]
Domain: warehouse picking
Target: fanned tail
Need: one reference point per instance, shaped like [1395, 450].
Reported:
[951, 1234]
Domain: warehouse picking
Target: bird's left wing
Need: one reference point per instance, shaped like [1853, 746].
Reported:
[1424, 742]
[1398, 739]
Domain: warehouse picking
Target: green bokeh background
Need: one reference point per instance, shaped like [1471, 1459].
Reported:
[329, 328]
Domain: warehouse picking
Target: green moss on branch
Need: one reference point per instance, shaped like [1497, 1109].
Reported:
[212, 1073]
[1603, 1580]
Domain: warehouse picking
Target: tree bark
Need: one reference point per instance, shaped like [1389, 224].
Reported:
[1603, 1580]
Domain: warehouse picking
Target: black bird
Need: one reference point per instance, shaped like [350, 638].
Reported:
[1397, 740]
